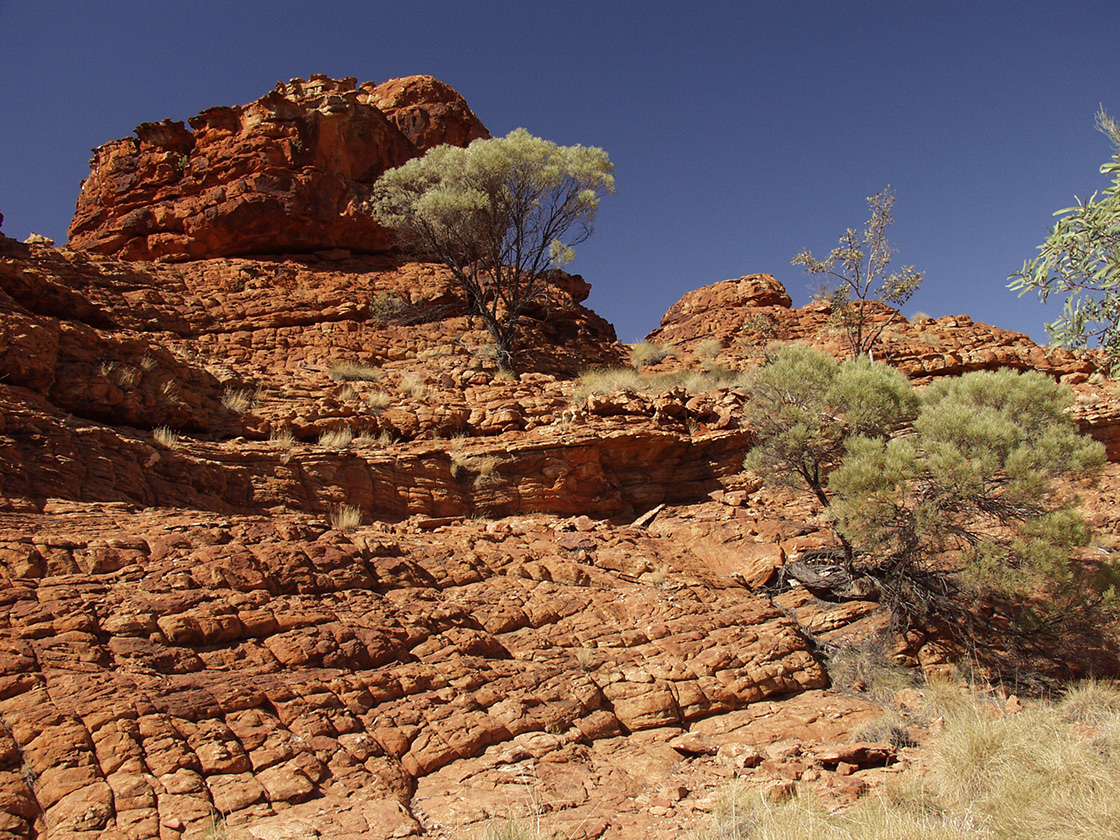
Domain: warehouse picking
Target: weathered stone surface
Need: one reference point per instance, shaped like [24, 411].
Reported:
[290, 172]
[385, 656]
[188, 629]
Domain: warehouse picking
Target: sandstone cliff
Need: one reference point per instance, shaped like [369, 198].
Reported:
[287, 173]
[550, 602]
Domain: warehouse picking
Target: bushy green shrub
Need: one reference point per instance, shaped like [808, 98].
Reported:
[955, 488]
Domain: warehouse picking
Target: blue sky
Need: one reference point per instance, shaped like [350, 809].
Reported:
[741, 133]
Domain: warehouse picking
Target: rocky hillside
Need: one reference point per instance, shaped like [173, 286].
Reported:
[284, 555]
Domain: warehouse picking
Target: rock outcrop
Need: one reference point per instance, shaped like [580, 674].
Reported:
[283, 554]
[158, 672]
[290, 172]
[744, 315]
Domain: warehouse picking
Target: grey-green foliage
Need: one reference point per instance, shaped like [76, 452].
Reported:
[803, 407]
[970, 488]
[1080, 259]
[498, 214]
[955, 485]
[855, 274]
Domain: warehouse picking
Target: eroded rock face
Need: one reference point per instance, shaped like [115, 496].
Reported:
[287, 173]
[157, 670]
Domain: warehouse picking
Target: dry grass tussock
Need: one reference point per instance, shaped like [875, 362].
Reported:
[627, 380]
[336, 438]
[282, 439]
[1049, 771]
[648, 353]
[237, 400]
[166, 437]
[346, 518]
[353, 372]
[484, 468]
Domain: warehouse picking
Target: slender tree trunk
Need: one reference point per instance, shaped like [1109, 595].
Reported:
[849, 552]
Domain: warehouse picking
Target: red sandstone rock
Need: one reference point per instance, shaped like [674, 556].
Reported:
[290, 172]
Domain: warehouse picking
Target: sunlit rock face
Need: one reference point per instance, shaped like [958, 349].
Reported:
[290, 172]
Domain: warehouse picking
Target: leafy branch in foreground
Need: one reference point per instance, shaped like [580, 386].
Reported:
[1081, 260]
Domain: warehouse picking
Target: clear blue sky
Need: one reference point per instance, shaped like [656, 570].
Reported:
[741, 132]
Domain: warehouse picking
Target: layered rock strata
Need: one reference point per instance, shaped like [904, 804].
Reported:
[290, 172]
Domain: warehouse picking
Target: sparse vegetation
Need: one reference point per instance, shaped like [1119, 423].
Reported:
[148, 362]
[237, 400]
[354, 372]
[336, 438]
[499, 214]
[855, 275]
[166, 437]
[170, 389]
[628, 380]
[991, 776]
[648, 353]
[346, 518]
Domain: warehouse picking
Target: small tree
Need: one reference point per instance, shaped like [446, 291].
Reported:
[803, 408]
[1081, 260]
[969, 496]
[926, 492]
[855, 274]
[498, 214]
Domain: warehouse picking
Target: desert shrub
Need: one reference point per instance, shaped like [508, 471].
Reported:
[855, 275]
[346, 518]
[336, 438]
[236, 400]
[354, 372]
[866, 668]
[647, 353]
[975, 482]
[499, 214]
[389, 308]
[1080, 261]
[956, 488]
[761, 327]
